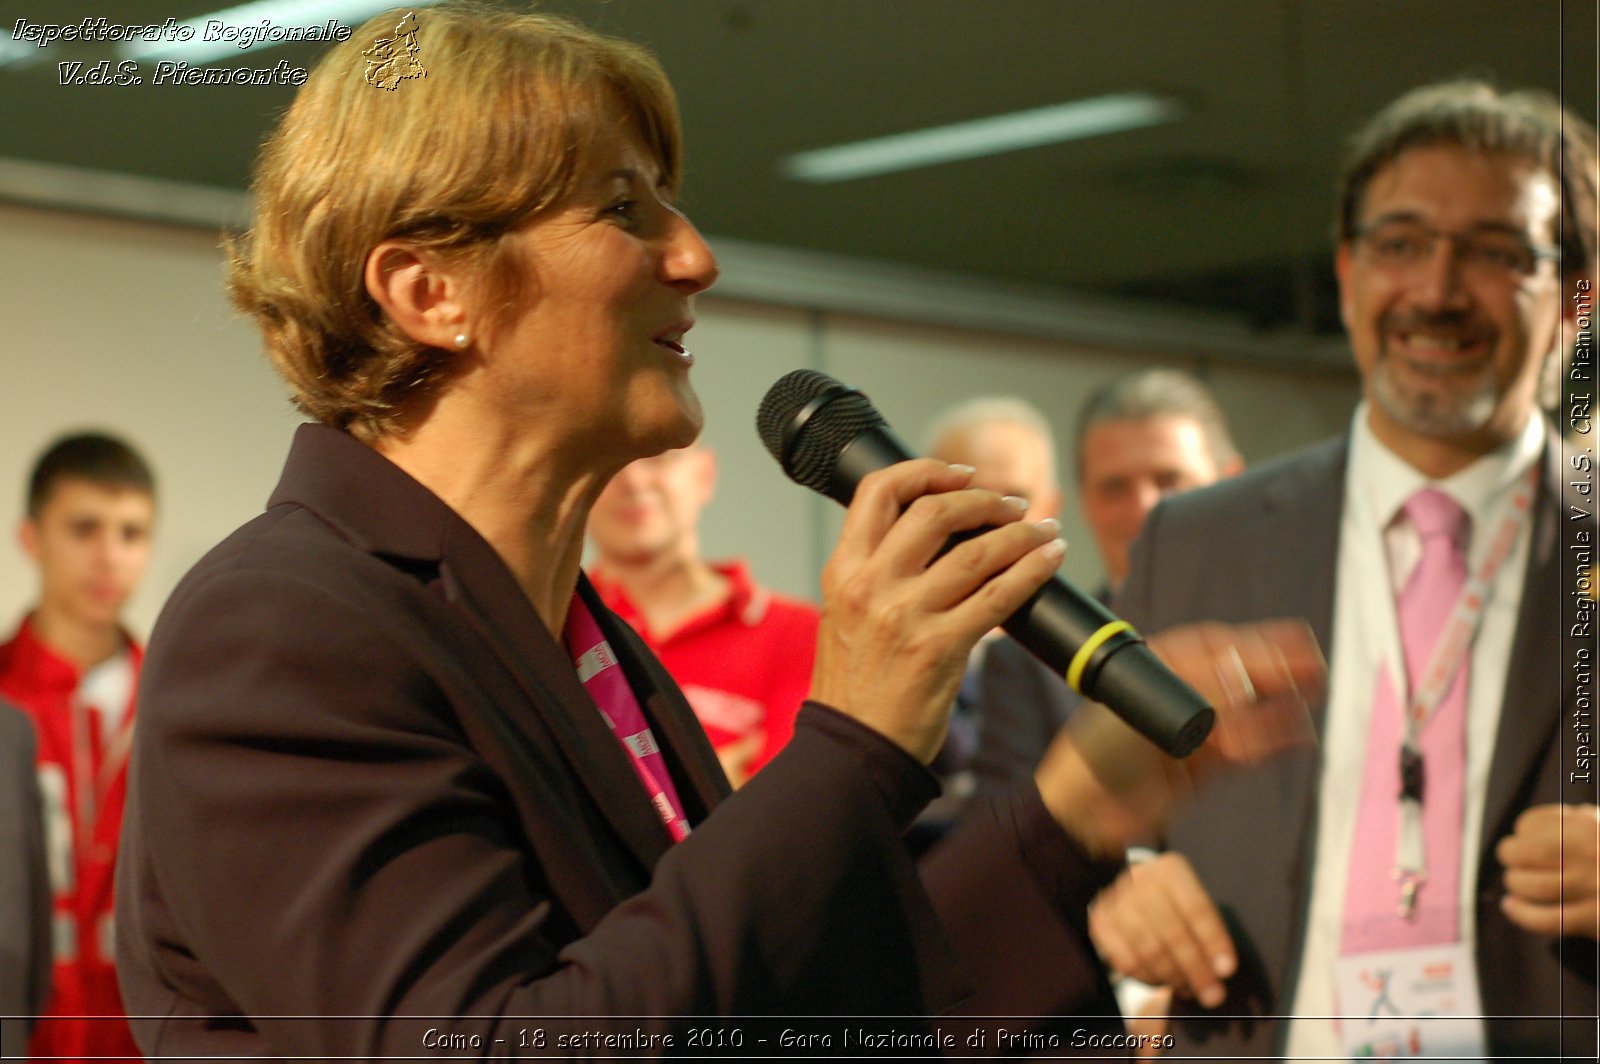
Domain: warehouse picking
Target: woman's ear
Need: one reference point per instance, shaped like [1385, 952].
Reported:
[419, 293]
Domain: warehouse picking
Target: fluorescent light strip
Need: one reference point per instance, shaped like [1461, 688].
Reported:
[284, 13]
[982, 136]
[13, 50]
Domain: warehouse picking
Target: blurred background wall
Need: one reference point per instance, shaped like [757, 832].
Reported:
[124, 325]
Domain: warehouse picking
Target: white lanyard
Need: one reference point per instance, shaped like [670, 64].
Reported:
[1448, 657]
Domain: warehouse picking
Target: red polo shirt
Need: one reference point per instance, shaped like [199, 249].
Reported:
[744, 664]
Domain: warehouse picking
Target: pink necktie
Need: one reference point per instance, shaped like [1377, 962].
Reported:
[1372, 912]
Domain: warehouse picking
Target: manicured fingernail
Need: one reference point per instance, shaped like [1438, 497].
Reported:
[1211, 996]
[964, 470]
[1055, 550]
[1016, 502]
[1222, 964]
[1049, 526]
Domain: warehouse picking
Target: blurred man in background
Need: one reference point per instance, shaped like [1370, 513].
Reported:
[1141, 438]
[1009, 443]
[742, 654]
[72, 668]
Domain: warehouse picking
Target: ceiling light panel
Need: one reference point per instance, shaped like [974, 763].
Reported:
[980, 137]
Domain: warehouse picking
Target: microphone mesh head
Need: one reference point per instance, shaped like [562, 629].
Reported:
[809, 450]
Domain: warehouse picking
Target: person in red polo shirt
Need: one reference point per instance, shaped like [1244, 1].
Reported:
[72, 668]
[742, 654]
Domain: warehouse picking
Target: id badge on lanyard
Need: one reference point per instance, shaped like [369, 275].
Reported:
[1419, 1002]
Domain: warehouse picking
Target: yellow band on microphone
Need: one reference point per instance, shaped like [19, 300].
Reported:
[1080, 660]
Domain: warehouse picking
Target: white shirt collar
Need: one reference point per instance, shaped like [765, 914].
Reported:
[1385, 481]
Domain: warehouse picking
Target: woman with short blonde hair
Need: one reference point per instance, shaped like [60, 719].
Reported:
[402, 784]
[494, 131]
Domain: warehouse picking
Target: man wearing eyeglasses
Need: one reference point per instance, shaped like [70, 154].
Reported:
[1436, 855]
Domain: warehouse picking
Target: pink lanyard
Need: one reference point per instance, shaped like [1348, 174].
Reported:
[1429, 690]
[601, 675]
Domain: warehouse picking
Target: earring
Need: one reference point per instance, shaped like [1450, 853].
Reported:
[462, 340]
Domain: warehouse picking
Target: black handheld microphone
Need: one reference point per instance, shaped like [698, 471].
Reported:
[827, 436]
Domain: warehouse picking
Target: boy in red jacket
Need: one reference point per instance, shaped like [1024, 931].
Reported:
[72, 668]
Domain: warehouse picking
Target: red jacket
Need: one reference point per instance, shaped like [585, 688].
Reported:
[83, 779]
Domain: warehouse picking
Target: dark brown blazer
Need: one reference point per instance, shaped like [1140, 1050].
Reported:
[1263, 545]
[371, 805]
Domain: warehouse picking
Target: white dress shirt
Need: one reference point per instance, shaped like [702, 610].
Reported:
[1378, 547]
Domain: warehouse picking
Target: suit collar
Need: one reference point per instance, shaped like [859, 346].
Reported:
[1537, 684]
[565, 713]
[1303, 501]
[367, 499]
[379, 508]
[1380, 482]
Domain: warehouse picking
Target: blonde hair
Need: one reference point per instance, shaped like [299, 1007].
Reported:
[494, 131]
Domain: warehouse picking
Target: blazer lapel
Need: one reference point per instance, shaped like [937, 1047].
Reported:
[1302, 518]
[475, 579]
[1530, 709]
[538, 726]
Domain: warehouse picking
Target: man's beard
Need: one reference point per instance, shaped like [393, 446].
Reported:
[1435, 412]
[1437, 400]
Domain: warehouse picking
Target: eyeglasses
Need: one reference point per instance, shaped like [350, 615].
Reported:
[1402, 245]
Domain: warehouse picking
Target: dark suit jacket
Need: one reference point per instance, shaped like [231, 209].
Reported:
[24, 885]
[367, 784]
[1264, 545]
[1020, 706]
